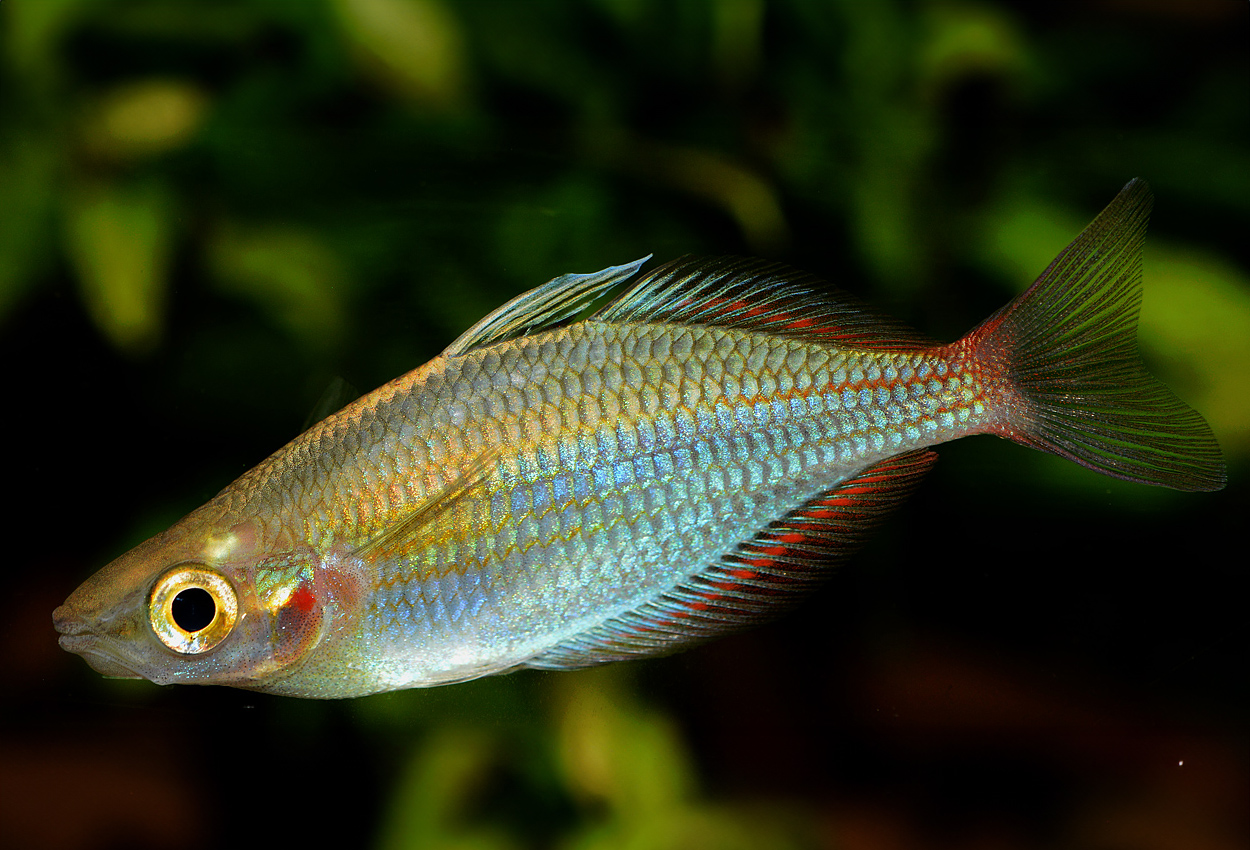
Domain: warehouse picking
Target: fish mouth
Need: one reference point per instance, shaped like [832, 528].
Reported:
[79, 638]
[67, 623]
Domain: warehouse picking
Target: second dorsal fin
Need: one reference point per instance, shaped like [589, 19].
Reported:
[756, 295]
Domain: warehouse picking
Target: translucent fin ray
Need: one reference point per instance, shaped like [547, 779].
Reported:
[337, 395]
[543, 306]
[1066, 350]
[756, 295]
[410, 529]
[759, 578]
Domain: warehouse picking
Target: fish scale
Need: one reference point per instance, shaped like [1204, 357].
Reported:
[566, 486]
[725, 466]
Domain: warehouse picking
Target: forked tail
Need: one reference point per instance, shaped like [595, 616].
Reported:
[1065, 352]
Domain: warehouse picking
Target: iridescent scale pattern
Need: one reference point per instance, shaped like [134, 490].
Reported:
[622, 460]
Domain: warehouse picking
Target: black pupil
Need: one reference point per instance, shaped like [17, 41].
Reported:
[193, 609]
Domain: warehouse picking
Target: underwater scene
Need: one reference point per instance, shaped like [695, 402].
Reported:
[866, 619]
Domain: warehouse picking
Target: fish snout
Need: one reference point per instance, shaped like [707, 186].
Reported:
[66, 621]
[78, 637]
[75, 633]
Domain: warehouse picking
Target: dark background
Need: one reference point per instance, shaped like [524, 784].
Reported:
[210, 212]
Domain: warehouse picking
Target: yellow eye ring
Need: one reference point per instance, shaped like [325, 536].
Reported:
[192, 609]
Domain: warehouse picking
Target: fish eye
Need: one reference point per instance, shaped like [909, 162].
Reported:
[192, 609]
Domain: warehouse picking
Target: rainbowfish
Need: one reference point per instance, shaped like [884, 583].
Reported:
[557, 492]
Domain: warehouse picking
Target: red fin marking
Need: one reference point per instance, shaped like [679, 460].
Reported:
[755, 295]
[721, 309]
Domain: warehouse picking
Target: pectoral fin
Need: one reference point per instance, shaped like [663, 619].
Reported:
[415, 526]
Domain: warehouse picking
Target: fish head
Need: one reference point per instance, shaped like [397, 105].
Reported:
[202, 605]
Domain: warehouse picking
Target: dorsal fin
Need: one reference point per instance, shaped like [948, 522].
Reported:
[546, 305]
[758, 579]
[756, 295]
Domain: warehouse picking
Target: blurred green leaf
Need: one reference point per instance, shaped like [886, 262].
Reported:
[31, 32]
[627, 776]
[628, 762]
[615, 751]
[1195, 321]
[438, 785]
[290, 275]
[749, 199]
[413, 46]
[965, 39]
[143, 118]
[119, 239]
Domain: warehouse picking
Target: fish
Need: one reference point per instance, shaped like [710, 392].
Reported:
[601, 470]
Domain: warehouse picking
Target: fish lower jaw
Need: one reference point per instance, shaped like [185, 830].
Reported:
[76, 643]
[88, 646]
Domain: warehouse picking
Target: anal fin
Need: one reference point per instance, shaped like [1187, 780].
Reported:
[758, 579]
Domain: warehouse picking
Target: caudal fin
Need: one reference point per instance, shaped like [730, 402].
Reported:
[1066, 353]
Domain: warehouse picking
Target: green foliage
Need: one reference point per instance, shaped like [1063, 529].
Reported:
[305, 157]
[244, 198]
[617, 769]
[119, 243]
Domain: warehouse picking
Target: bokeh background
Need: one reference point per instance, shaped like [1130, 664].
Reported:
[211, 213]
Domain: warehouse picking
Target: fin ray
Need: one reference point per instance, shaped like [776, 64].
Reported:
[756, 295]
[411, 527]
[1066, 354]
[543, 306]
[758, 579]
